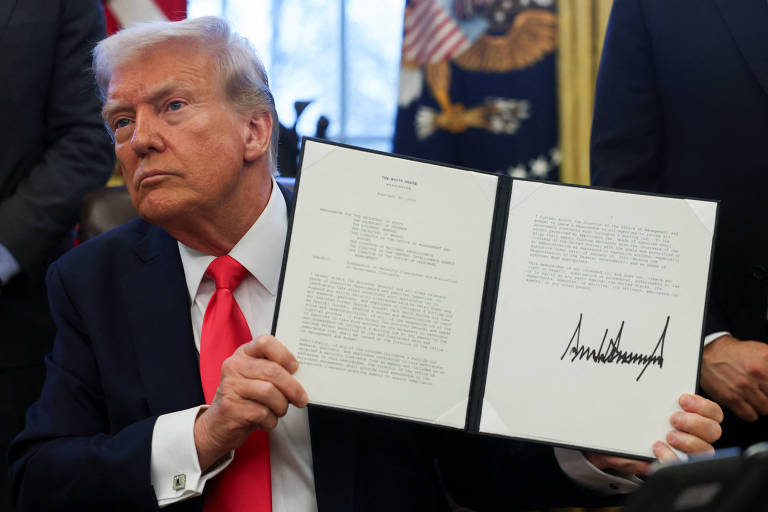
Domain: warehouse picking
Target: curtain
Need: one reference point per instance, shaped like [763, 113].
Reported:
[581, 31]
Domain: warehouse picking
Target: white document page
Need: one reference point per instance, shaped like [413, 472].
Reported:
[599, 316]
[384, 280]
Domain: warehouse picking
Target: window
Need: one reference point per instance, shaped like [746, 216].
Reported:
[343, 55]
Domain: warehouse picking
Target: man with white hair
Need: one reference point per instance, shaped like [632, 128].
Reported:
[161, 387]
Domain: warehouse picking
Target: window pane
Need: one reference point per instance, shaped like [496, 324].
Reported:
[197, 8]
[374, 34]
[300, 44]
[254, 21]
[305, 62]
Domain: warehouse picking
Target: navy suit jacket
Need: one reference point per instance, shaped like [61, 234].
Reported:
[682, 108]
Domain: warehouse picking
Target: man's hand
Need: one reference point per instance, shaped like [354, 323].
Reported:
[735, 373]
[697, 426]
[255, 389]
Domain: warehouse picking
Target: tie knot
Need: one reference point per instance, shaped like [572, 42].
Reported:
[226, 272]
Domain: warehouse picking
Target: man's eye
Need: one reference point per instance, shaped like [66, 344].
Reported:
[122, 122]
[175, 105]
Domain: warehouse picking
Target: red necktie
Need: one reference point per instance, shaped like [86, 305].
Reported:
[245, 484]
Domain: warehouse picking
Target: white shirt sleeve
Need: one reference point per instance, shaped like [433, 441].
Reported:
[709, 338]
[9, 266]
[579, 469]
[175, 469]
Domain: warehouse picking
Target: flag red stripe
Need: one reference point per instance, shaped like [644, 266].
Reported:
[460, 44]
[425, 36]
[418, 11]
[112, 25]
[174, 10]
[424, 19]
[449, 50]
[437, 38]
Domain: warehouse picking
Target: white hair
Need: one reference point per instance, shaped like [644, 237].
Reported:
[240, 70]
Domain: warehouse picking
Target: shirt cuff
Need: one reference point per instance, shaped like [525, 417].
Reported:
[579, 469]
[175, 469]
[709, 338]
[9, 266]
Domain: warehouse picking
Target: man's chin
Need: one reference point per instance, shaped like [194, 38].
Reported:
[160, 213]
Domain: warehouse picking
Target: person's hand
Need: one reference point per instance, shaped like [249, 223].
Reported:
[696, 427]
[735, 374]
[255, 389]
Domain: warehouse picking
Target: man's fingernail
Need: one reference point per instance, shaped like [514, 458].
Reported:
[686, 401]
[293, 366]
[672, 437]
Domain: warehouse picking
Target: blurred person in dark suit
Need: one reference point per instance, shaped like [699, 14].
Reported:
[682, 108]
[52, 151]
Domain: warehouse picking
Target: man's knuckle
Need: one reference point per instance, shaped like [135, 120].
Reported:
[282, 409]
[228, 366]
[239, 388]
[756, 371]
[715, 432]
[271, 370]
[269, 423]
[227, 407]
[255, 415]
[262, 388]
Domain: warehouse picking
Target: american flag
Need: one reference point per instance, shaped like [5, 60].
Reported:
[430, 33]
[123, 13]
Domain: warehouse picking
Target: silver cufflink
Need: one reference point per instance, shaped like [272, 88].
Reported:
[179, 481]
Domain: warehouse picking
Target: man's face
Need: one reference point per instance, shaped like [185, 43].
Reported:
[179, 144]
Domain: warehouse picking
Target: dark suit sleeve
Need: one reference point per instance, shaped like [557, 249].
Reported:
[77, 156]
[626, 149]
[71, 455]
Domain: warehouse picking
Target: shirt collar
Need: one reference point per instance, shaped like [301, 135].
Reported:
[260, 250]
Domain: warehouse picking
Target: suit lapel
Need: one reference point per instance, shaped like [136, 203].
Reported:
[159, 312]
[747, 21]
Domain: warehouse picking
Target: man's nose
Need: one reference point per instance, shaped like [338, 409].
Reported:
[147, 136]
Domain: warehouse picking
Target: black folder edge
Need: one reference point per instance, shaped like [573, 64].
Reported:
[292, 209]
[706, 294]
[488, 305]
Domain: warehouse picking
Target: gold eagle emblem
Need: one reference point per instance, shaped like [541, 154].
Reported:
[531, 36]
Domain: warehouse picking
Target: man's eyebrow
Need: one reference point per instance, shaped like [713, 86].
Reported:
[152, 96]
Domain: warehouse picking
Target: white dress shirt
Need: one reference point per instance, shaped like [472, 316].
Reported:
[173, 446]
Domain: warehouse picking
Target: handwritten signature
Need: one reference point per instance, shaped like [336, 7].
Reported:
[613, 353]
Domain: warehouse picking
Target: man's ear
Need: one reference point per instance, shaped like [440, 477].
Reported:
[258, 135]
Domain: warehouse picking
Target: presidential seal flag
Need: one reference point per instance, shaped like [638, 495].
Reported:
[477, 85]
[124, 13]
